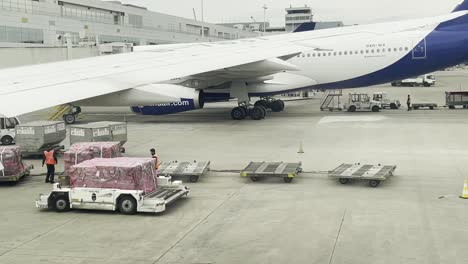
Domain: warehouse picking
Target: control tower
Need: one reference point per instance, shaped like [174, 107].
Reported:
[296, 16]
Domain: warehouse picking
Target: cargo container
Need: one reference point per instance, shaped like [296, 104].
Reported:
[454, 99]
[99, 132]
[35, 137]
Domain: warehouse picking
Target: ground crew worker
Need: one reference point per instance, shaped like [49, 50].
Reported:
[154, 156]
[408, 102]
[50, 159]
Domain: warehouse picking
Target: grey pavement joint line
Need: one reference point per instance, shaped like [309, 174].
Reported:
[38, 236]
[197, 225]
[337, 237]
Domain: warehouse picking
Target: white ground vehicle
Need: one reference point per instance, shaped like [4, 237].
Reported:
[386, 101]
[7, 130]
[362, 102]
[424, 80]
[125, 201]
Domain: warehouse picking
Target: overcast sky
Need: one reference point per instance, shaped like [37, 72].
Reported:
[348, 11]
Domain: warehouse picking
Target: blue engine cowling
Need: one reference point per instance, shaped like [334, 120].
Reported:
[183, 105]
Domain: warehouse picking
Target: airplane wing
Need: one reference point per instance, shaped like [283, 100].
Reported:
[31, 88]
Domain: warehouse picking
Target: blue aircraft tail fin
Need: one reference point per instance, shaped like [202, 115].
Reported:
[462, 6]
[309, 26]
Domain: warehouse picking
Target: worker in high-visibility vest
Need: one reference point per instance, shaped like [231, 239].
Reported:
[155, 157]
[50, 159]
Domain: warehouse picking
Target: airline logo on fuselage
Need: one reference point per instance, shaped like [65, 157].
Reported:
[181, 103]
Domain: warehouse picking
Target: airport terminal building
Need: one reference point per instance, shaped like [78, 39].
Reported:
[43, 23]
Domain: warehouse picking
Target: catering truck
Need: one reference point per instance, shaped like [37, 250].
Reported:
[424, 80]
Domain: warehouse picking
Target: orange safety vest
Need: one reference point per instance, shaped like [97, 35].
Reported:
[49, 157]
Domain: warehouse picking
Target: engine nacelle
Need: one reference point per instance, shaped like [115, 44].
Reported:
[154, 99]
[186, 103]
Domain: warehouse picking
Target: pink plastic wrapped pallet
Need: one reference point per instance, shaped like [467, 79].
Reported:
[10, 157]
[117, 173]
[80, 152]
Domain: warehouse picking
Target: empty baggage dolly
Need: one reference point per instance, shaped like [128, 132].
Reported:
[191, 170]
[257, 170]
[373, 173]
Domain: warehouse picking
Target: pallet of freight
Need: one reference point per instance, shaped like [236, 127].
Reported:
[118, 173]
[99, 132]
[84, 151]
[12, 167]
[35, 137]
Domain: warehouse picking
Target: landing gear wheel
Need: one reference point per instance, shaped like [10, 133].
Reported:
[262, 102]
[254, 179]
[374, 183]
[264, 109]
[287, 179]
[375, 109]
[7, 140]
[193, 178]
[282, 103]
[127, 205]
[277, 106]
[343, 181]
[69, 119]
[257, 113]
[61, 204]
[238, 113]
[352, 109]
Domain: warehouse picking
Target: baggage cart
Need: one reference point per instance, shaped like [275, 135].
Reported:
[16, 178]
[191, 170]
[417, 106]
[375, 174]
[257, 170]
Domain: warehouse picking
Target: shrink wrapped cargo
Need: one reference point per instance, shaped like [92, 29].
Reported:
[117, 173]
[99, 132]
[34, 137]
[11, 161]
[80, 152]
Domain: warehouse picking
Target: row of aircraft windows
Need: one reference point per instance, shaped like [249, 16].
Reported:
[367, 51]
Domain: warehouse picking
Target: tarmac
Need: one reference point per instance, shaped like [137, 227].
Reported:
[414, 217]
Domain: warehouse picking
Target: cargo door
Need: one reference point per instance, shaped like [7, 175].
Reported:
[420, 49]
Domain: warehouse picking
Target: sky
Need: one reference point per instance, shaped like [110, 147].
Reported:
[348, 11]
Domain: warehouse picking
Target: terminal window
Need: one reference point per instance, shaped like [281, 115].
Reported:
[21, 35]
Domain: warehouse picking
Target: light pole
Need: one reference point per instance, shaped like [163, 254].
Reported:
[265, 7]
[202, 19]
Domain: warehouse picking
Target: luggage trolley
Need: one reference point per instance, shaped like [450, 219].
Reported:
[257, 170]
[373, 173]
[191, 170]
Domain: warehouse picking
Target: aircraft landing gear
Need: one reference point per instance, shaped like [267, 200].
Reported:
[275, 105]
[241, 112]
[72, 116]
